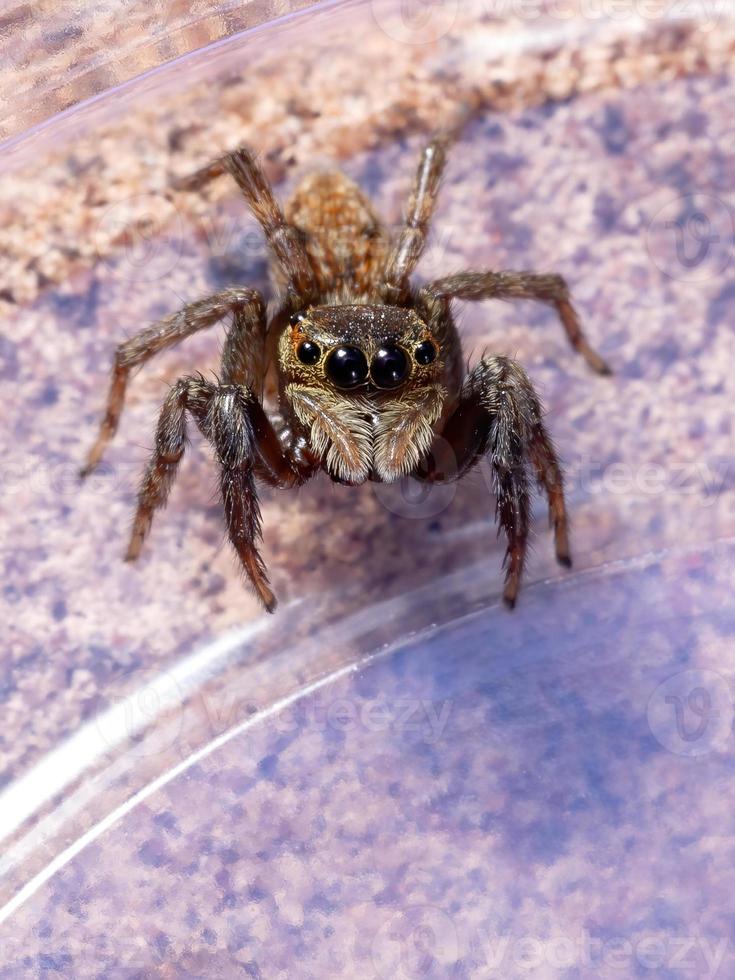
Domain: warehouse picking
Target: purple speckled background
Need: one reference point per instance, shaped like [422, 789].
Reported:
[394, 777]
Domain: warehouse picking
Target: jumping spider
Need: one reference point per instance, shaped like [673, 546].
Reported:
[368, 368]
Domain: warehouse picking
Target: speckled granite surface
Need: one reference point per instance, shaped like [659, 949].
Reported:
[543, 794]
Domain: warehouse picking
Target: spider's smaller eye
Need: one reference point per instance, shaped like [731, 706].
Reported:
[425, 353]
[296, 318]
[308, 352]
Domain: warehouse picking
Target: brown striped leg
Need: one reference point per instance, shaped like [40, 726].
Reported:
[285, 240]
[549, 289]
[233, 421]
[549, 475]
[498, 416]
[161, 472]
[411, 241]
[246, 304]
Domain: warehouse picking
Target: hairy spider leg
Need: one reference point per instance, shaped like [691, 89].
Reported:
[498, 416]
[249, 310]
[411, 241]
[550, 289]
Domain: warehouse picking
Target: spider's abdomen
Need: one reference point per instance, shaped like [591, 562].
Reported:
[345, 241]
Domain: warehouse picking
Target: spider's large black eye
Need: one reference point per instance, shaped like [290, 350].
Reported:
[389, 367]
[347, 367]
[308, 352]
[425, 353]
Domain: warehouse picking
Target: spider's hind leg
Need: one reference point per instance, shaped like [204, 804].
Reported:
[284, 240]
[411, 241]
[200, 178]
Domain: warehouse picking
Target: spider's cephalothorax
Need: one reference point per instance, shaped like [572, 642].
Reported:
[367, 368]
[366, 384]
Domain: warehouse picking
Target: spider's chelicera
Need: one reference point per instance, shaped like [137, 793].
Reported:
[367, 367]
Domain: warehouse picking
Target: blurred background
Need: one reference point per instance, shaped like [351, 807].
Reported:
[394, 776]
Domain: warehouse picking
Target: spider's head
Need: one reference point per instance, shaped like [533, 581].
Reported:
[360, 350]
[356, 376]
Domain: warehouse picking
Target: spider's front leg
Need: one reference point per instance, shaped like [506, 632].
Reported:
[232, 419]
[499, 416]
